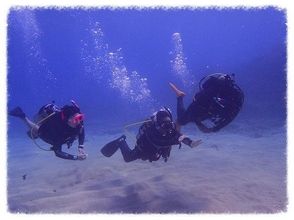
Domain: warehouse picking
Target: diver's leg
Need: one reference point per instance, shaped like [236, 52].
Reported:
[59, 153]
[33, 128]
[128, 154]
[180, 107]
[18, 112]
[178, 92]
[182, 113]
[31, 124]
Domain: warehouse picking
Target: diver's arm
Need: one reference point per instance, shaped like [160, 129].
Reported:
[59, 153]
[189, 142]
[82, 136]
[81, 152]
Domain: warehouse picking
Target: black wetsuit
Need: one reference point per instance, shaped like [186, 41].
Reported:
[218, 100]
[151, 145]
[56, 131]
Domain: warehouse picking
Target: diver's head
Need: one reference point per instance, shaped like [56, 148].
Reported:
[163, 121]
[75, 120]
[72, 115]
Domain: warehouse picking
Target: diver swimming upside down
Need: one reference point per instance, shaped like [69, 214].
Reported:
[214, 106]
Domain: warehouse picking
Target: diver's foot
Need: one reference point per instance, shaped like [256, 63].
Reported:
[17, 112]
[178, 92]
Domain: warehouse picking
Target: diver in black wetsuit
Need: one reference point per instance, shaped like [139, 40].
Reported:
[217, 103]
[57, 127]
[154, 140]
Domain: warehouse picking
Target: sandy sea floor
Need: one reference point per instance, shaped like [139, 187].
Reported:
[231, 172]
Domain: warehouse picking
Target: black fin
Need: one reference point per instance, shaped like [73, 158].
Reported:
[17, 112]
[109, 149]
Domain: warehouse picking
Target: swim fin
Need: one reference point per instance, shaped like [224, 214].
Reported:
[17, 112]
[109, 149]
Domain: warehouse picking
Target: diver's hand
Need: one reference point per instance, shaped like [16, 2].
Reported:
[81, 153]
[195, 143]
[189, 142]
[181, 138]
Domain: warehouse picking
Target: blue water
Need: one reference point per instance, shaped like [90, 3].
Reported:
[116, 63]
[62, 54]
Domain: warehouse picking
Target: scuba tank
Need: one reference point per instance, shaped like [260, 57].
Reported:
[45, 111]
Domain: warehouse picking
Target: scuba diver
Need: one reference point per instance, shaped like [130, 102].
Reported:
[217, 103]
[154, 139]
[56, 127]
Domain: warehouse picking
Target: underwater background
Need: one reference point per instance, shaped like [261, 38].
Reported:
[116, 64]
